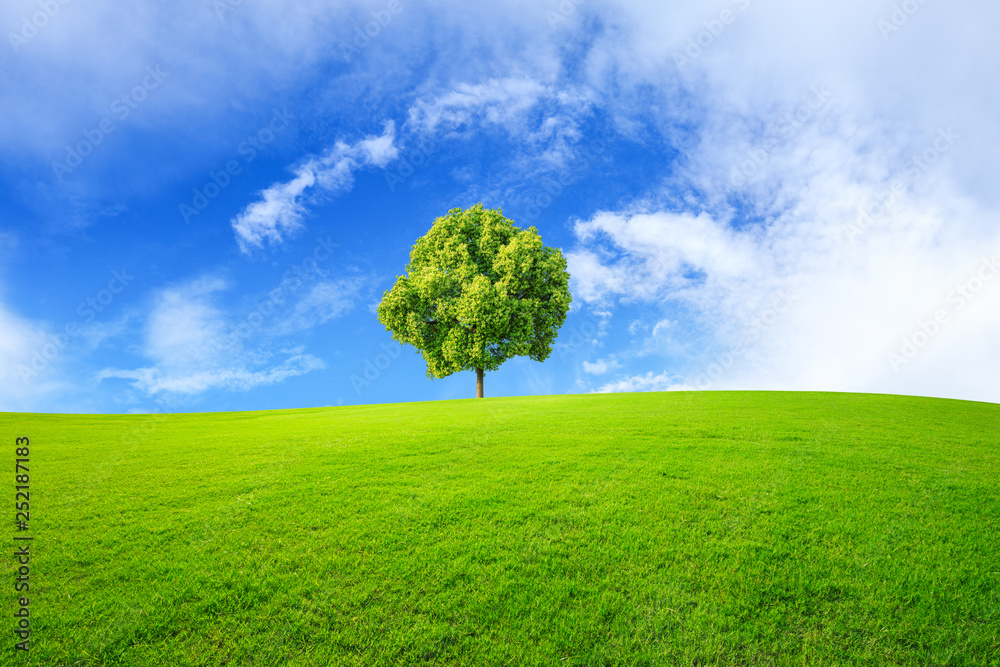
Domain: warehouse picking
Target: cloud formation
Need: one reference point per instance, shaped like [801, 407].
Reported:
[501, 102]
[806, 192]
[195, 348]
[282, 205]
[23, 359]
[601, 366]
[648, 382]
[831, 292]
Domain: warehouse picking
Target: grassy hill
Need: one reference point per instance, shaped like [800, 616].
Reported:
[730, 528]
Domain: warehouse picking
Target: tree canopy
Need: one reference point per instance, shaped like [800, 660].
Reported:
[478, 291]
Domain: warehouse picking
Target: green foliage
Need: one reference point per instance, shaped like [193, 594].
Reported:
[478, 291]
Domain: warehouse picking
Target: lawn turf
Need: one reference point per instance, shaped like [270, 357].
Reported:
[703, 528]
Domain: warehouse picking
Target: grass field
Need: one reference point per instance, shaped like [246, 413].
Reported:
[729, 528]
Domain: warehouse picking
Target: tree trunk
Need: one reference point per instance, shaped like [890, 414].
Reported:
[479, 383]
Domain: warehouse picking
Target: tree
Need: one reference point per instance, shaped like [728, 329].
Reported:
[478, 291]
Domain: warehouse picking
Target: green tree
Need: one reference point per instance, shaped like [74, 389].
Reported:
[478, 291]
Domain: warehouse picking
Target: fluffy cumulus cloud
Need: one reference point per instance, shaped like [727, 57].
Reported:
[654, 252]
[872, 286]
[827, 226]
[601, 366]
[850, 287]
[282, 205]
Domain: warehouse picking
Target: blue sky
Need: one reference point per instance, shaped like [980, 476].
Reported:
[204, 200]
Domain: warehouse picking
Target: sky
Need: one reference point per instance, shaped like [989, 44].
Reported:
[204, 200]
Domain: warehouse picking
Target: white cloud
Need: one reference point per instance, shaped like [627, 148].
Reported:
[326, 300]
[648, 382]
[542, 117]
[380, 150]
[659, 327]
[661, 248]
[848, 302]
[500, 102]
[282, 205]
[155, 381]
[759, 206]
[194, 348]
[24, 366]
[278, 213]
[601, 366]
[39, 360]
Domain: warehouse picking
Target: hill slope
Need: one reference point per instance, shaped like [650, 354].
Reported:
[647, 529]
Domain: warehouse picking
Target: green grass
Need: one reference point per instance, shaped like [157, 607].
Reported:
[729, 528]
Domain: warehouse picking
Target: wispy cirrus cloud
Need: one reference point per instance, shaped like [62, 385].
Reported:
[541, 115]
[154, 381]
[325, 301]
[500, 102]
[193, 348]
[281, 207]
